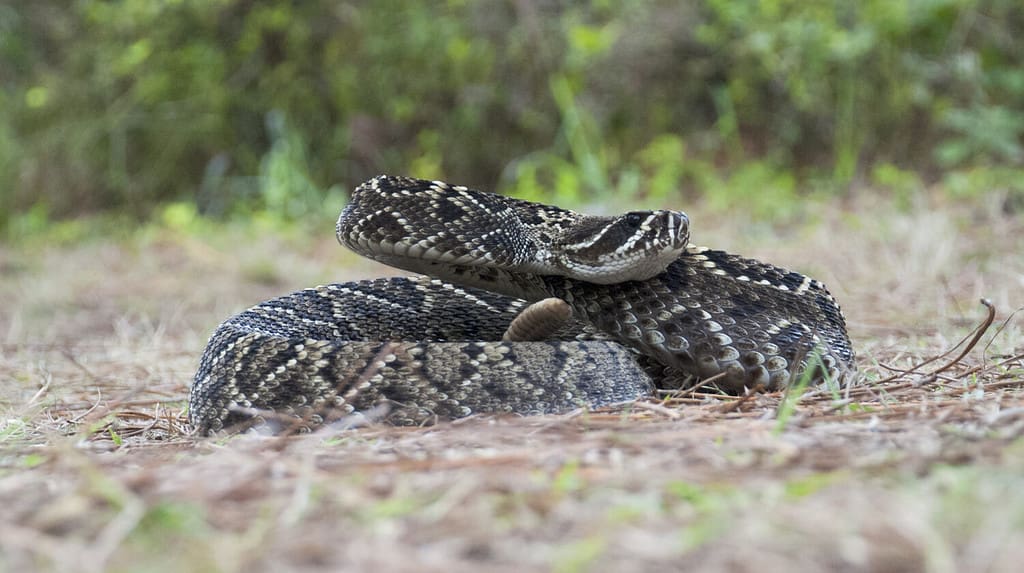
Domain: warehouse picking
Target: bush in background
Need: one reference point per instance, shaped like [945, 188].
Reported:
[273, 105]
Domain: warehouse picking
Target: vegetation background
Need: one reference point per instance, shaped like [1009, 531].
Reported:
[165, 164]
[235, 107]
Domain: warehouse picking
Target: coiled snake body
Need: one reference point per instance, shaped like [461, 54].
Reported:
[647, 310]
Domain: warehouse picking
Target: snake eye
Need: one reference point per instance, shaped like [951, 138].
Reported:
[634, 219]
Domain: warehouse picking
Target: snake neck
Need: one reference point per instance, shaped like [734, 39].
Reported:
[524, 286]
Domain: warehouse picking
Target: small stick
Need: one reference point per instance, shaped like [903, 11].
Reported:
[658, 408]
[976, 335]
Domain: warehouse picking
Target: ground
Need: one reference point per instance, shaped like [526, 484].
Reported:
[916, 468]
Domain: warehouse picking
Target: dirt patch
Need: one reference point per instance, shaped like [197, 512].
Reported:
[915, 468]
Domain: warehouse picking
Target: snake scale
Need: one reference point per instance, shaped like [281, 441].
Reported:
[647, 310]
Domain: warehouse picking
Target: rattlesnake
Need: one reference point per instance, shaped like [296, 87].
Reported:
[648, 310]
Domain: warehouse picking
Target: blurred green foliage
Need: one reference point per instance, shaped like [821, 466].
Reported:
[250, 106]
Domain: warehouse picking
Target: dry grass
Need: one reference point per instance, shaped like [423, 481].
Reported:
[915, 469]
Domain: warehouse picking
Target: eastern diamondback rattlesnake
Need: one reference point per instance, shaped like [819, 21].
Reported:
[647, 310]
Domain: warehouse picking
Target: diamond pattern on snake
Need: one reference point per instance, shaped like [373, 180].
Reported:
[637, 308]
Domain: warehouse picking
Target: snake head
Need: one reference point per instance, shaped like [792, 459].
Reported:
[631, 247]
